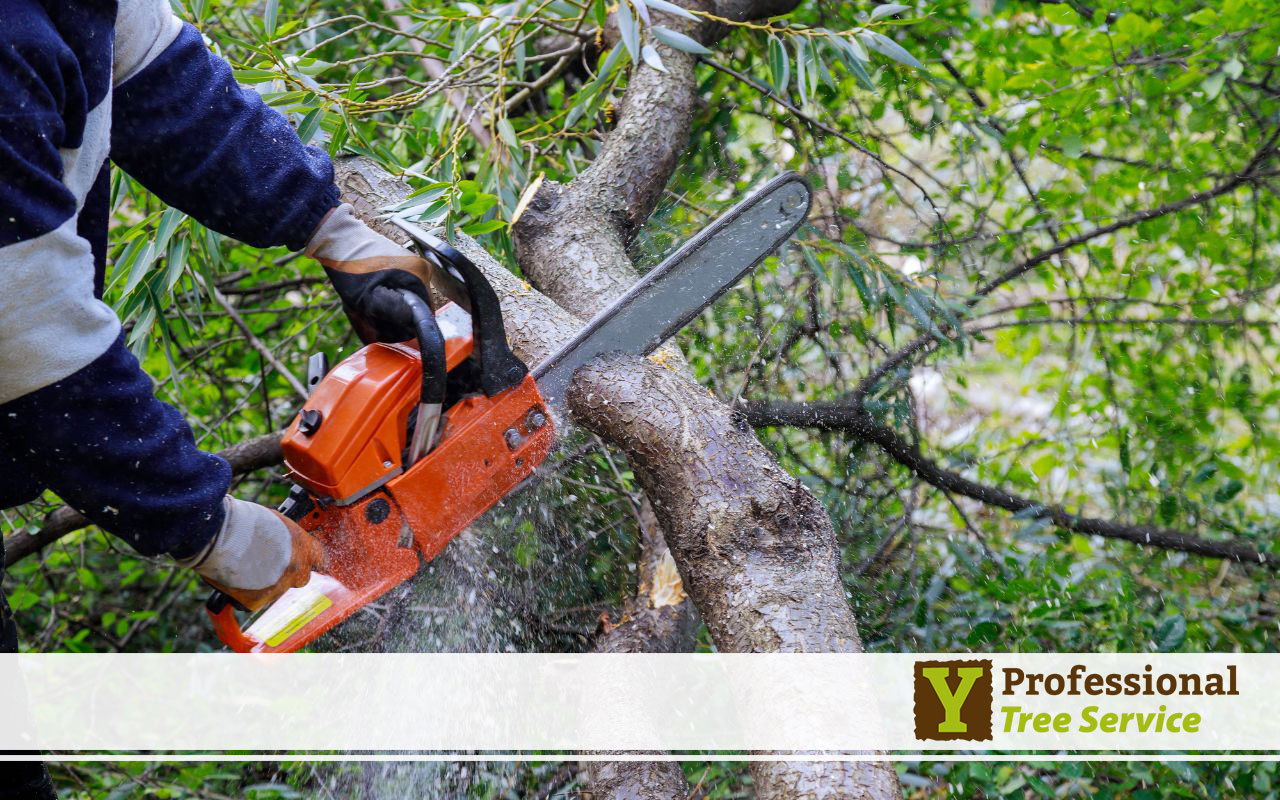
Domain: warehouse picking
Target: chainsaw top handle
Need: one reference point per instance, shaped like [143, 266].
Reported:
[435, 371]
[499, 368]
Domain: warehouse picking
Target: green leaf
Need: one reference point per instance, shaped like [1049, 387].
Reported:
[887, 10]
[481, 228]
[1060, 14]
[1205, 473]
[310, 124]
[678, 41]
[913, 303]
[269, 16]
[1227, 492]
[650, 55]
[642, 10]
[1212, 85]
[802, 69]
[779, 64]
[855, 58]
[671, 8]
[1205, 16]
[508, 134]
[887, 47]
[175, 261]
[253, 75]
[21, 598]
[1170, 634]
[993, 77]
[982, 633]
[628, 30]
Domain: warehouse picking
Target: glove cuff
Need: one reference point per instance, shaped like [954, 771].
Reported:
[251, 551]
[342, 242]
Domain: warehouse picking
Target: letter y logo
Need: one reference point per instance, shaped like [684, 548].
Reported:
[953, 700]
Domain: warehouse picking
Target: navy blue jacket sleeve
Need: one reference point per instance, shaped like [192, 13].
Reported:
[188, 132]
[103, 443]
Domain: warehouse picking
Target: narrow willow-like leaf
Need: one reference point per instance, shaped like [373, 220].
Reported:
[914, 305]
[629, 31]
[269, 15]
[887, 47]
[481, 228]
[779, 65]
[642, 11]
[671, 8]
[310, 124]
[802, 69]
[508, 134]
[678, 41]
[887, 10]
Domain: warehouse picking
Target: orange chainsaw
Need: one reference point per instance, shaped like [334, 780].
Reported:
[401, 446]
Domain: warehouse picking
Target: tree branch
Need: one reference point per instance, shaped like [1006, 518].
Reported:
[850, 419]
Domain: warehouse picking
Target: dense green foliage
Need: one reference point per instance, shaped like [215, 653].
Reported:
[1127, 375]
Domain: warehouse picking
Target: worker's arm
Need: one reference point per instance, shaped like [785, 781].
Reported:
[77, 414]
[107, 446]
[187, 131]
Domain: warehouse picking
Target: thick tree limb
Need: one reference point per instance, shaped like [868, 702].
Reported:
[849, 419]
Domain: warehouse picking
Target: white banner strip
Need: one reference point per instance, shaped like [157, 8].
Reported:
[691, 702]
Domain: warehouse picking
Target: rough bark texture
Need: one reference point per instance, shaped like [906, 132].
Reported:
[635, 780]
[756, 549]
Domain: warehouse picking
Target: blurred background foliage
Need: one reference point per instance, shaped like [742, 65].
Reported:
[1128, 376]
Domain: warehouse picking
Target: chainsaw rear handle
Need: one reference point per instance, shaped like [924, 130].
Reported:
[499, 368]
[222, 611]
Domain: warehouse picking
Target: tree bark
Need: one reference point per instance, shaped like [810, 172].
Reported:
[635, 780]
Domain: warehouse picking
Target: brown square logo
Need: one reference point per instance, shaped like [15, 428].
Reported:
[953, 700]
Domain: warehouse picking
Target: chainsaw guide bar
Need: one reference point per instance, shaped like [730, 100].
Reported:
[676, 291]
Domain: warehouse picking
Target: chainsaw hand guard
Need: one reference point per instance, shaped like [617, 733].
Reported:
[500, 369]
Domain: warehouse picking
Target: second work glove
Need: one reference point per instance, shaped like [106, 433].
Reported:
[367, 269]
[257, 555]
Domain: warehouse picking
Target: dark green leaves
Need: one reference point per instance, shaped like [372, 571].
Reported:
[1170, 634]
[779, 65]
